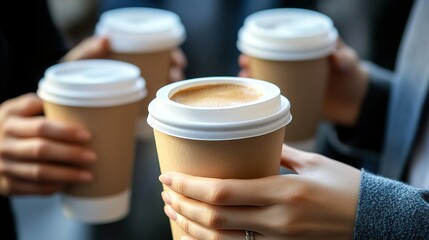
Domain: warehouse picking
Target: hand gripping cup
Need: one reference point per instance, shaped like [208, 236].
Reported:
[222, 127]
[103, 96]
[144, 37]
[290, 47]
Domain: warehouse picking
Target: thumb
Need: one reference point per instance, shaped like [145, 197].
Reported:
[294, 159]
[344, 58]
[25, 105]
[92, 47]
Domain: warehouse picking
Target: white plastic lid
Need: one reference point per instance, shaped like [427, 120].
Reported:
[92, 83]
[255, 118]
[287, 34]
[138, 29]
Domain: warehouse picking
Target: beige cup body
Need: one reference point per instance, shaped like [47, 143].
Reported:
[304, 84]
[154, 67]
[113, 139]
[253, 157]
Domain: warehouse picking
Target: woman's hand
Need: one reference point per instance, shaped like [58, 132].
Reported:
[347, 84]
[178, 65]
[38, 156]
[318, 202]
[98, 47]
[89, 48]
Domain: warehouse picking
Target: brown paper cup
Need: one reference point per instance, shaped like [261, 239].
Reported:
[235, 141]
[155, 67]
[104, 97]
[247, 158]
[304, 84]
[290, 47]
[144, 37]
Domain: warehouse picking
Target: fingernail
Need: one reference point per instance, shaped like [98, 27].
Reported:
[185, 238]
[166, 197]
[88, 155]
[166, 179]
[170, 212]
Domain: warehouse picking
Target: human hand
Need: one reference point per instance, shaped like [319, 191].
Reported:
[89, 48]
[319, 202]
[178, 65]
[98, 47]
[243, 62]
[346, 87]
[38, 156]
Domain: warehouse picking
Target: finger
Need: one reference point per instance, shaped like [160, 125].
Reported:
[24, 105]
[44, 173]
[176, 74]
[243, 61]
[344, 58]
[212, 216]
[93, 47]
[11, 186]
[296, 160]
[33, 149]
[290, 158]
[244, 73]
[223, 191]
[199, 232]
[178, 58]
[41, 127]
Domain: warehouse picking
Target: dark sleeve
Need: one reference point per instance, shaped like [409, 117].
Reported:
[29, 43]
[8, 231]
[389, 209]
[369, 130]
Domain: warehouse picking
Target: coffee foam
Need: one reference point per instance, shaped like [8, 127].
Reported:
[266, 114]
[287, 34]
[216, 95]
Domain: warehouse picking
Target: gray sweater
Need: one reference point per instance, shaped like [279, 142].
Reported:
[389, 209]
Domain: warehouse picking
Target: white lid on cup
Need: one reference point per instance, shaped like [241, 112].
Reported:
[287, 34]
[138, 29]
[92, 83]
[264, 115]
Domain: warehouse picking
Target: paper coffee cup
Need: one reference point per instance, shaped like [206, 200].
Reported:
[290, 47]
[145, 38]
[103, 96]
[237, 133]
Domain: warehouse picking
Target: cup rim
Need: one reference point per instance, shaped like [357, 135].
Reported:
[124, 84]
[277, 43]
[267, 114]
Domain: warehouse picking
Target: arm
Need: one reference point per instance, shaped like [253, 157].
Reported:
[391, 210]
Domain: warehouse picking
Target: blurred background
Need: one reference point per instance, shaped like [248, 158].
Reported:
[373, 28]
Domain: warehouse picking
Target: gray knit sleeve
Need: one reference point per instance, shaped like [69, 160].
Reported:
[389, 209]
